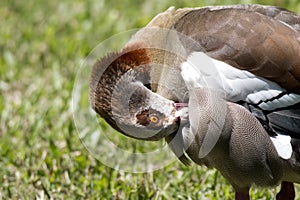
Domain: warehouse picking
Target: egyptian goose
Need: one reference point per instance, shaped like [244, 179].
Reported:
[154, 89]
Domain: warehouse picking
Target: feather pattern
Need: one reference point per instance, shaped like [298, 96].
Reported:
[242, 86]
[246, 40]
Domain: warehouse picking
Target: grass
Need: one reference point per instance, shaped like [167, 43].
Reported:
[42, 44]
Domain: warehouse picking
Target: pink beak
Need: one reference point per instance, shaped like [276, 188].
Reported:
[179, 106]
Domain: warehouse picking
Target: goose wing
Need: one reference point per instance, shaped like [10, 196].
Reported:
[252, 38]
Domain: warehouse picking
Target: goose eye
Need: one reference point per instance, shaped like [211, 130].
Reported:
[153, 119]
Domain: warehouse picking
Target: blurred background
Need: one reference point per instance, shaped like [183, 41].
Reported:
[42, 44]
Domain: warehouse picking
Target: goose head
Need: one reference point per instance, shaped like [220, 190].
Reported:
[120, 92]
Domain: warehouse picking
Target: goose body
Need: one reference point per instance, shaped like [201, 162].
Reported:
[248, 56]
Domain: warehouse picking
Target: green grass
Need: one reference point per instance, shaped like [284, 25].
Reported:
[42, 44]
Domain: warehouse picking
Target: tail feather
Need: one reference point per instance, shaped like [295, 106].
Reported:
[286, 121]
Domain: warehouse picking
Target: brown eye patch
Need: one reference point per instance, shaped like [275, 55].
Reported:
[143, 118]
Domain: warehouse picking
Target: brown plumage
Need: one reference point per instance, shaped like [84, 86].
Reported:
[272, 47]
[103, 79]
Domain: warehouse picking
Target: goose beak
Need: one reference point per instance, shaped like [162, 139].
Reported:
[179, 106]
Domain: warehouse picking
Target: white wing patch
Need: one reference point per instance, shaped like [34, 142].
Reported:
[283, 145]
[202, 71]
[191, 76]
